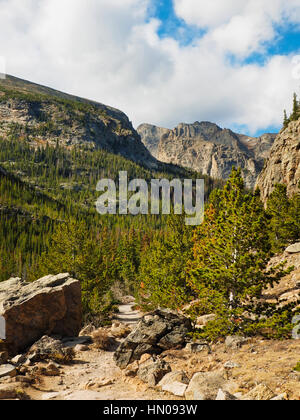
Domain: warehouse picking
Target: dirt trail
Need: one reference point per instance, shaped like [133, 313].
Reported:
[95, 376]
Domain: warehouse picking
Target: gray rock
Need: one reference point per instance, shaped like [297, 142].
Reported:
[175, 382]
[225, 396]
[235, 342]
[231, 365]
[7, 370]
[81, 347]
[205, 319]
[294, 249]
[48, 348]
[198, 347]
[152, 371]
[74, 341]
[176, 388]
[159, 331]
[205, 386]
[177, 376]
[281, 397]
[51, 305]
[19, 359]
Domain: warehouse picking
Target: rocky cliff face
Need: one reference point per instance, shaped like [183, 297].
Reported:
[209, 149]
[283, 163]
[43, 115]
[151, 136]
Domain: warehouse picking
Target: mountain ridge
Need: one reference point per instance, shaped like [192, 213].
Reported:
[207, 148]
[40, 114]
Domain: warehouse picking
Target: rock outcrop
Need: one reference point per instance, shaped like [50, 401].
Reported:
[283, 163]
[43, 115]
[49, 306]
[156, 332]
[208, 149]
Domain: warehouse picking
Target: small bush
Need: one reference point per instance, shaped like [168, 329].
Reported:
[102, 341]
[297, 367]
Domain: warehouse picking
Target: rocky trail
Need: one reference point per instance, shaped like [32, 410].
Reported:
[156, 361]
[94, 374]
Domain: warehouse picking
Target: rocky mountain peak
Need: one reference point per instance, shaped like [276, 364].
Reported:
[207, 148]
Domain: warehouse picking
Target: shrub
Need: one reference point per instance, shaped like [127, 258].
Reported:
[102, 341]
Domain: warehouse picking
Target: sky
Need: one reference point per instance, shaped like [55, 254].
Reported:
[162, 62]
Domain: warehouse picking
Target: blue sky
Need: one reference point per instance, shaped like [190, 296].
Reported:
[286, 41]
[172, 25]
[232, 62]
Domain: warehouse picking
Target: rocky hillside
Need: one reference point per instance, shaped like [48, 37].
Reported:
[40, 114]
[207, 148]
[283, 163]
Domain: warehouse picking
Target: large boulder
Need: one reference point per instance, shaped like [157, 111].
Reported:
[49, 306]
[155, 333]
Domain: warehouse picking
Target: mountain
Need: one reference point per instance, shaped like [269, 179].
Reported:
[54, 148]
[41, 115]
[207, 148]
[283, 164]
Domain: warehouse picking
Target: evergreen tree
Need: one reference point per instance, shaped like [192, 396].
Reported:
[162, 276]
[231, 254]
[295, 113]
[75, 251]
[284, 218]
[285, 119]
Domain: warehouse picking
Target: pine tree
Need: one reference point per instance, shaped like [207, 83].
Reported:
[285, 119]
[283, 218]
[74, 250]
[295, 113]
[231, 254]
[162, 276]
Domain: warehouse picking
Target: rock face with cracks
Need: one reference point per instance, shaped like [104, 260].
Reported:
[49, 306]
[156, 332]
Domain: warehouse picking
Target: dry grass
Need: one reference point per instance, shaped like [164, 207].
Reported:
[102, 340]
[119, 330]
[261, 361]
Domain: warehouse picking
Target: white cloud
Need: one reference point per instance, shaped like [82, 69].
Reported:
[205, 13]
[239, 27]
[107, 50]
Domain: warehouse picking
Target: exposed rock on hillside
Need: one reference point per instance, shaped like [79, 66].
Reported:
[283, 164]
[43, 115]
[51, 305]
[208, 149]
[151, 136]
